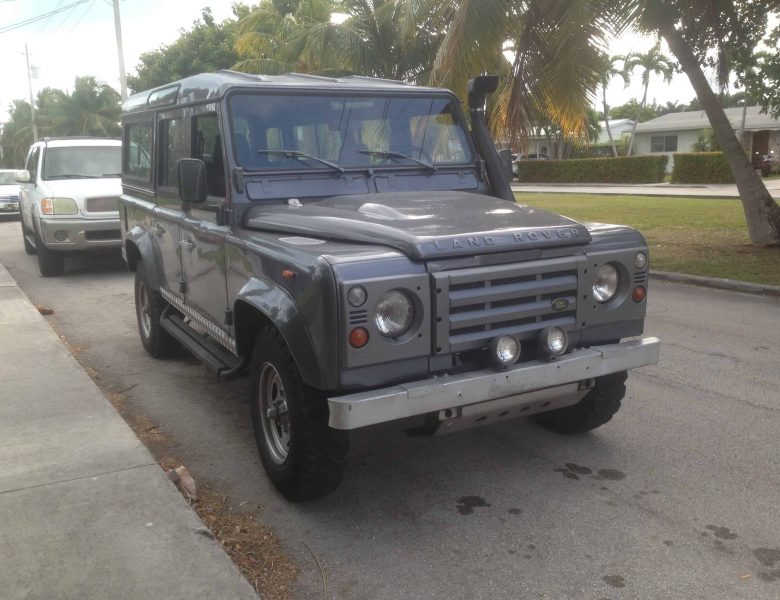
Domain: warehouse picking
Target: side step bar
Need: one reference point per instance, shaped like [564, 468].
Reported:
[208, 352]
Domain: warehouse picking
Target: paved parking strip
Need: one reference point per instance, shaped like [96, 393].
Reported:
[86, 510]
[677, 497]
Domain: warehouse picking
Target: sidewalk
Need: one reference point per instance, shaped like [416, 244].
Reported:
[86, 512]
[728, 190]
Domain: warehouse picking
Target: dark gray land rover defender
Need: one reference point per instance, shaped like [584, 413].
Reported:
[356, 247]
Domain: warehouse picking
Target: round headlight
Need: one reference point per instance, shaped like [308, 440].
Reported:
[356, 296]
[394, 313]
[640, 260]
[605, 285]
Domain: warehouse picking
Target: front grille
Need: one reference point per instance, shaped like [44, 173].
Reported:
[102, 235]
[475, 305]
[5, 198]
[110, 204]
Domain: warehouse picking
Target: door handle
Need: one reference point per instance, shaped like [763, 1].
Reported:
[158, 229]
[190, 246]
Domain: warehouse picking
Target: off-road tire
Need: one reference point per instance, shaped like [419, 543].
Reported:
[28, 247]
[594, 410]
[157, 342]
[316, 454]
[50, 263]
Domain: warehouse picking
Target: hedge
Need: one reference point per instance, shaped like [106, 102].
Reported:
[625, 169]
[701, 167]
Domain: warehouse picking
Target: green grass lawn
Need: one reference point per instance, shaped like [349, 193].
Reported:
[686, 235]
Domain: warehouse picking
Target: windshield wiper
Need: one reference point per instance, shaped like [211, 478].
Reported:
[303, 156]
[111, 175]
[391, 154]
[74, 176]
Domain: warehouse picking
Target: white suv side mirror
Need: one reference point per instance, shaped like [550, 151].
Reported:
[22, 176]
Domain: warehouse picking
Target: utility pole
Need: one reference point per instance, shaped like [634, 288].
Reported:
[120, 52]
[32, 103]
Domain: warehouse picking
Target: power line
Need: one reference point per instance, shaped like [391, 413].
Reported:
[89, 6]
[32, 20]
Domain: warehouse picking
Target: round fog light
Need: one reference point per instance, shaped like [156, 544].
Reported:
[554, 341]
[60, 236]
[505, 349]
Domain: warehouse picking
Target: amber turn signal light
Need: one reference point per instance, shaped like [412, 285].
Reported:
[638, 294]
[358, 337]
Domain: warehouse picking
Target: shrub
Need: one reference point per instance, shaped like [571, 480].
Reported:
[701, 167]
[629, 169]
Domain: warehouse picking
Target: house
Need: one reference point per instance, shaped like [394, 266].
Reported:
[618, 127]
[678, 132]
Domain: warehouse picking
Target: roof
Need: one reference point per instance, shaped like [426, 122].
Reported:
[210, 86]
[615, 123]
[754, 120]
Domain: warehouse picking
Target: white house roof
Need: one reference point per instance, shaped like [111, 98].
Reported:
[615, 123]
[697, 119]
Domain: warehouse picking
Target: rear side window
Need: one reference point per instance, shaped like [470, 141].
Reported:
[138, 151]
[173, 147]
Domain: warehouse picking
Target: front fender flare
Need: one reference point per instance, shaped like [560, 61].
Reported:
[280, 310]
[139, 246]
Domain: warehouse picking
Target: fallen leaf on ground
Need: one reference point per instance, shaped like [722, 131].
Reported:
[44, 310]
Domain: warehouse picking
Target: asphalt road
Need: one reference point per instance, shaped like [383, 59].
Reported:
[677, 497]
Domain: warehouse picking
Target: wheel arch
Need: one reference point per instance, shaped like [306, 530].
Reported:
[263, 304]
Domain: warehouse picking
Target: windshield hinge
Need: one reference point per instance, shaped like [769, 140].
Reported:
[228, 316]
[481, 171]
[238, 179]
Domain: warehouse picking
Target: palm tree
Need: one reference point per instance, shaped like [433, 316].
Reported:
[652, 62]
[92, 108]
[691, 29]
[608, 72]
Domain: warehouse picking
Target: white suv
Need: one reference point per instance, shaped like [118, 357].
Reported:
[69, 198]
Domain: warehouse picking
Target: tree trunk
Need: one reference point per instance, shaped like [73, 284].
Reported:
[606, 119]
[762, 213]
[636, 118]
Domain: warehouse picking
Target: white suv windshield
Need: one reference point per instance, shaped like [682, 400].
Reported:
[348, 131]
[82, 162]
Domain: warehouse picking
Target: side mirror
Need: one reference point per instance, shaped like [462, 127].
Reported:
[506, 162]
[22, 176]
[192, 181]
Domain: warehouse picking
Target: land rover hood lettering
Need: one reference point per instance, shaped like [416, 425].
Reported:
[423, 225]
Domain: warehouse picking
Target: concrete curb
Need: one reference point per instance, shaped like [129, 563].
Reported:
[720, 284]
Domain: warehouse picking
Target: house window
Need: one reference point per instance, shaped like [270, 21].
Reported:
[663, 143]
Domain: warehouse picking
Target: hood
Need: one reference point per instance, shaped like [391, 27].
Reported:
[12, 189]
[423, 225]
[84, 188]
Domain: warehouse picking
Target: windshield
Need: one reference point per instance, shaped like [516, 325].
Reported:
[81, 162]
[349, 131]
[8, 178]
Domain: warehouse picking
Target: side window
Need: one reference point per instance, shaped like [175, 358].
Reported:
[207, 146]
[172, 148]
[32, 164]
[138, 151]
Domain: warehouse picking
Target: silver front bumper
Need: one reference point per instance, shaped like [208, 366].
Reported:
[81, 234]
[455, 391]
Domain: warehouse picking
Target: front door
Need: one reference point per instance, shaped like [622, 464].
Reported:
[167, 215]
[760, 147]
[202, 238]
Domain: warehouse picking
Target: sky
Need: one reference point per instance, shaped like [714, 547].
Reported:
[81, 41]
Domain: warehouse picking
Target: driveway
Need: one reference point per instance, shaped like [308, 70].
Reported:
[677, 497]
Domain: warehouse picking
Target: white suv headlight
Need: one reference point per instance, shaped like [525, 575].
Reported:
[59, 206]
[393, 313]
[606, 283]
